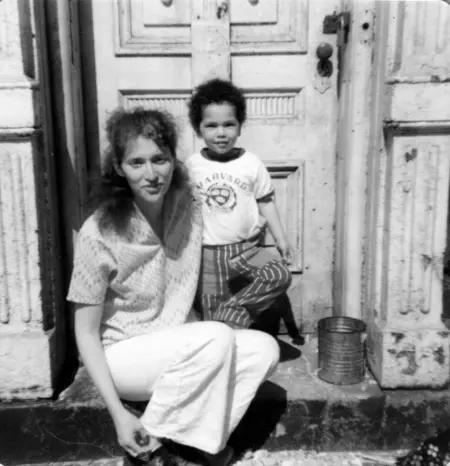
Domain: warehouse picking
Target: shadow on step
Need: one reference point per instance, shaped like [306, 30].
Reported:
[260, 420]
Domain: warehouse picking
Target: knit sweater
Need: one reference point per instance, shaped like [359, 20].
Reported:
[144, 283]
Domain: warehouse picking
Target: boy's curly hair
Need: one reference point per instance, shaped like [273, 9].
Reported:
[216, 91]
[111, 192]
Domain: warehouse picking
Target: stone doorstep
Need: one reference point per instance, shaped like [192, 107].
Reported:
[295, 410]
[279, 458]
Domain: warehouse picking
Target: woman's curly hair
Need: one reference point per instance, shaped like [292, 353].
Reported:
[111, 192]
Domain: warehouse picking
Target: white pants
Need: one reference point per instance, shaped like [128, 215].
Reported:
[200, 378]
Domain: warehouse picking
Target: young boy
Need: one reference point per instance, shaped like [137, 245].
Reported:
[238, 203]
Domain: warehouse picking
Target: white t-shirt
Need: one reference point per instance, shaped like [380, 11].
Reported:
[144, 285]
[230, 190]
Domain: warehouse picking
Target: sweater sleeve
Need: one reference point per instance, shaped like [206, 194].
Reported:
[92, 268]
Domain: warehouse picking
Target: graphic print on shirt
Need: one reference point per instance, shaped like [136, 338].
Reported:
[221, 196]
[220, 191]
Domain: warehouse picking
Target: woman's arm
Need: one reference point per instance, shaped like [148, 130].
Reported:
[269, 211]
[87, 333]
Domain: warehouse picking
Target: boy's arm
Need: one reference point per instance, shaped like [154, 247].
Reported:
[269, 211]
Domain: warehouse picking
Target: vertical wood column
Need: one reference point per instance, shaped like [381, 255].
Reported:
[409, 170]
[353, 151]
[29, 255]
[210, 35]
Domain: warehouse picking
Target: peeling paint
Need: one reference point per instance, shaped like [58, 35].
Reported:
[426, 260]
[439, 355]
[410, 356]
[398, 336]
[410, 156]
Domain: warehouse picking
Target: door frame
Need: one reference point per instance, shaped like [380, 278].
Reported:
[361, 90]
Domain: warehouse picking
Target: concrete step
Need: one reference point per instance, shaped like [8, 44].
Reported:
[279, 458]
[295, 411]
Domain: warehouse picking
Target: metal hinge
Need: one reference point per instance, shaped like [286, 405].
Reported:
[337, 24]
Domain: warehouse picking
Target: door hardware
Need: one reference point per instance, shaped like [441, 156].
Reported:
[324, 66]
[337, 24]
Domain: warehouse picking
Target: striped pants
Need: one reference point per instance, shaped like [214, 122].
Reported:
[240, 281]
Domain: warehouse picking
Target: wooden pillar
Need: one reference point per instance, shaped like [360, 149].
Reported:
[210, 36]
[409, 168]
[31, 318]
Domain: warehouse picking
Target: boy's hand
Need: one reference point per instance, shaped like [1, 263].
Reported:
[287, 253]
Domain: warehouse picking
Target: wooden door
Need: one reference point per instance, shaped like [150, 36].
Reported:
[152, 52]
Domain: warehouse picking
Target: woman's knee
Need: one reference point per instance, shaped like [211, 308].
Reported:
[219, 339]
[262, 348]
[270, 352]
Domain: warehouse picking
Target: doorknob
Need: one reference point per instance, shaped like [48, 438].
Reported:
[324, 66]
[324, 51]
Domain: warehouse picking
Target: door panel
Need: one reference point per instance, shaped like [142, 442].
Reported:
[276, 26]
[152, 52]
[151, 28]
[292, 124]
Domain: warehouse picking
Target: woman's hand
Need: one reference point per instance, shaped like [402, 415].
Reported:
[131, 434]
[87, 332]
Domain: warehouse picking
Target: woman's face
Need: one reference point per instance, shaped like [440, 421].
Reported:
[148, 170]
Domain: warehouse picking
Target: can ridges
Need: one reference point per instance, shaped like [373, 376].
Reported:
[341, 350]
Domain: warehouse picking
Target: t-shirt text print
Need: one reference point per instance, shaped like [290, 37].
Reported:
[230, 191]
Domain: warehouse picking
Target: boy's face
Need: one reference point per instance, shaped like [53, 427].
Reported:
[219, 127]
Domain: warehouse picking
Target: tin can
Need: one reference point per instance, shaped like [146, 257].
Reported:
[341, 350]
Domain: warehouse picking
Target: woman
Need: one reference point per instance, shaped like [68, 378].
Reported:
[134, 279]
